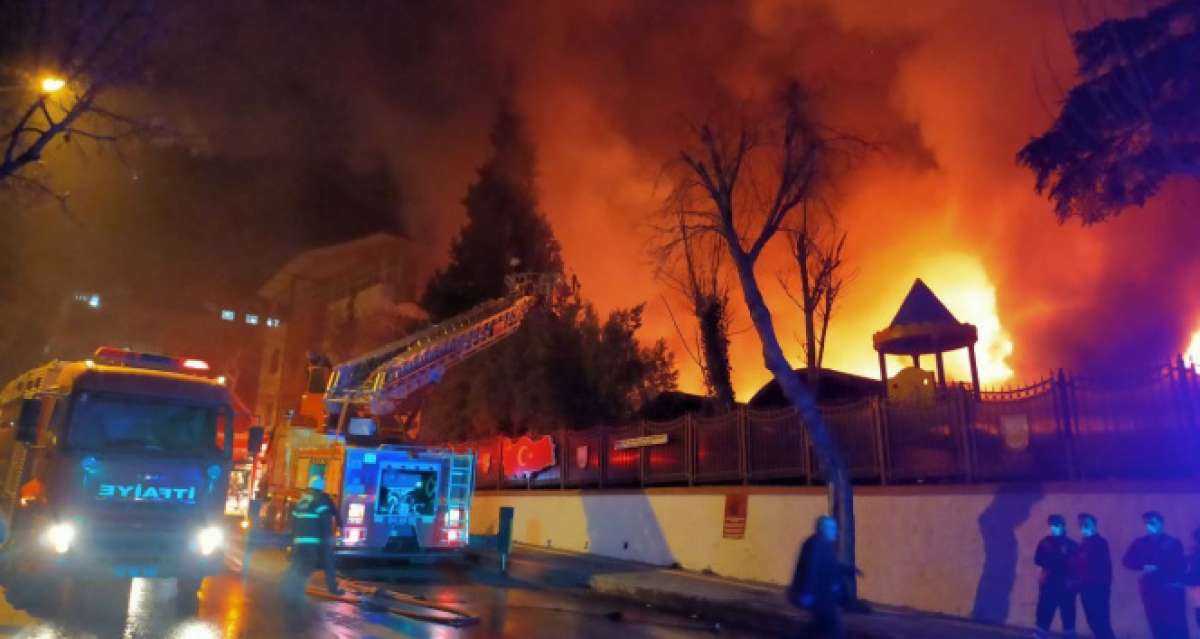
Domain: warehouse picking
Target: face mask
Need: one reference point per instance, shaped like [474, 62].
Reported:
[1088, 531]
[1056, 531]
[1153, 528]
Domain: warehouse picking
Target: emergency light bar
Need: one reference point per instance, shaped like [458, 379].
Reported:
[112, 356]
[195, 364]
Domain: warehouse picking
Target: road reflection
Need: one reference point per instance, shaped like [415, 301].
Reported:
[233, 608]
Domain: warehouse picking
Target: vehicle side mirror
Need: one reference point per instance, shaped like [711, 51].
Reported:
[27, 425]
[254, 441]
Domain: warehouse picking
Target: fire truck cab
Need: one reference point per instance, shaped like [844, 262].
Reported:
[112, 468]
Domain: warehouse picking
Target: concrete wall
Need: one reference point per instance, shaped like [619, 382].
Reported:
[963, 550]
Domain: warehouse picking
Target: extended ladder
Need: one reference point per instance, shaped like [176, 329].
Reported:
[385, 377]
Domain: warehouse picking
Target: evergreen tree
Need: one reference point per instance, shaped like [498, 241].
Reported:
[564, 368]
[1130, 122]
[505, 232]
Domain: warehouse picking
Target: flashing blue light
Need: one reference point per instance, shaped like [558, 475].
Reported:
[90, 465]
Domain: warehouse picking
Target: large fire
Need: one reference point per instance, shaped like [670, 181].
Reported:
[949, 90]
[1192, 354]
[963, 285]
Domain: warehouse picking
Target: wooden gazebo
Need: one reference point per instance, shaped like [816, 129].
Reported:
[924, 325]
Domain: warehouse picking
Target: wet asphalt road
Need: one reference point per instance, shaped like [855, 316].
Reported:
[518, 605]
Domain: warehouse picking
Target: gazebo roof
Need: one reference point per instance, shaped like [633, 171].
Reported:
[923, 325]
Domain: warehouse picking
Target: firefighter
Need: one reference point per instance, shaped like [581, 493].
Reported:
[1159, 557]
[818, 581]
[312, 539]
[1093, 576]
[1055, 555]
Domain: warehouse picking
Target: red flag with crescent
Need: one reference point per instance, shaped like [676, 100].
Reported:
[526, 456]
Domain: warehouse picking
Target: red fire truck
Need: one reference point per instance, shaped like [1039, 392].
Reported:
[397, 498]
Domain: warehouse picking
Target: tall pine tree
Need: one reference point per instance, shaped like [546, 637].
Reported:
[562, 369]
[505, 232]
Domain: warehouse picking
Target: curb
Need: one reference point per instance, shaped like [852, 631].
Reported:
[740, 613]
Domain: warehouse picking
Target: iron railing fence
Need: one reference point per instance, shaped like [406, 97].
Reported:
[1146, 425]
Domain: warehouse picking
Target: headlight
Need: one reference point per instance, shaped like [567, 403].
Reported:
[209, 539]
[60, 537]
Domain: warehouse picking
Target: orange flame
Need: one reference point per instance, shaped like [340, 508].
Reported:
[1192, 354]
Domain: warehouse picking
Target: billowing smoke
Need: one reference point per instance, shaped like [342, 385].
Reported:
[949, 90]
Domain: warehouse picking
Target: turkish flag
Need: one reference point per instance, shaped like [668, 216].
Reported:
[526, 456]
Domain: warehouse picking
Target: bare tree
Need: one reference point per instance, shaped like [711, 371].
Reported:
[742, 182]
[818, 252]
[59, 61]
[691, 265]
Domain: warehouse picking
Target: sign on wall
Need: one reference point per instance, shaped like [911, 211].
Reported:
[735, 517]
[640, 442]
[1015, 429]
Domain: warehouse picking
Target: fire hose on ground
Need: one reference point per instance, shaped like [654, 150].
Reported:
[396, 603]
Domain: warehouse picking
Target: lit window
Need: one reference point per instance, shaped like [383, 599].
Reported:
[272, 322]
[94, 301]
[228, 315]
[251, 319]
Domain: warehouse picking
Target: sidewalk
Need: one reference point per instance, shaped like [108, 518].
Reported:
[752, 606]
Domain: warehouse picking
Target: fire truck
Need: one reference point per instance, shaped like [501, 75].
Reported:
[113, 468]
[355, 427]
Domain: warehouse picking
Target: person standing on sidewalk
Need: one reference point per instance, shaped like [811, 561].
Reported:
[1092, 575]
[1159, 557]
[312, 540]
[1055, 555]
[817, 583]
[1192, 578]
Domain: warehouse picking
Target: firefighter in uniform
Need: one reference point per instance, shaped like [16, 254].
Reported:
[312, 539]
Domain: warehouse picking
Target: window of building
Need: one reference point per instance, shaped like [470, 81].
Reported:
[251, 319]
[228, 315]
[272, 322]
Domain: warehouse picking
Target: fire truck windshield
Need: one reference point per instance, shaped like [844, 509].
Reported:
[125, 423]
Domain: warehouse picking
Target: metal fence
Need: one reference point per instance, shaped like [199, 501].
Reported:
[1064, 427]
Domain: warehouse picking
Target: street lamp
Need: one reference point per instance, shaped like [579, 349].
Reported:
[52, 83]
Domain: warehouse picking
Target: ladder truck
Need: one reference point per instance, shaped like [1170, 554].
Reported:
[397, 498]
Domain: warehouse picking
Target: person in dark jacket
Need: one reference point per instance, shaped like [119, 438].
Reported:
[1192, 578]
[1159, 557]
[1092, 576]
[313, 518]
[818, 581]
[1055, 555]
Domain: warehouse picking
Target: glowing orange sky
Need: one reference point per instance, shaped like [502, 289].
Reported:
[966, 79]
[949, 90]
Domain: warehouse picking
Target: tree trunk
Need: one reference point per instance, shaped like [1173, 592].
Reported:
[715, 344]
[829, 458]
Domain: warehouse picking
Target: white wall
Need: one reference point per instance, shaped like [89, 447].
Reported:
[965, 551]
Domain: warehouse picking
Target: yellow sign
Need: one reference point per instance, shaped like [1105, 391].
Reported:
[640, 442]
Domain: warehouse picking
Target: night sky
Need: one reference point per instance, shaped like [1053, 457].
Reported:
[300, 124]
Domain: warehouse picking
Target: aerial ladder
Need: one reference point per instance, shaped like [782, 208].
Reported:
[374, 400]
[393, 380]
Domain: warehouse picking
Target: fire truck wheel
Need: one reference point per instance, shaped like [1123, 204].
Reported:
[187, 595]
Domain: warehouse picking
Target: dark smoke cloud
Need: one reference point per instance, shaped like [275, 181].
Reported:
[312, 122]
